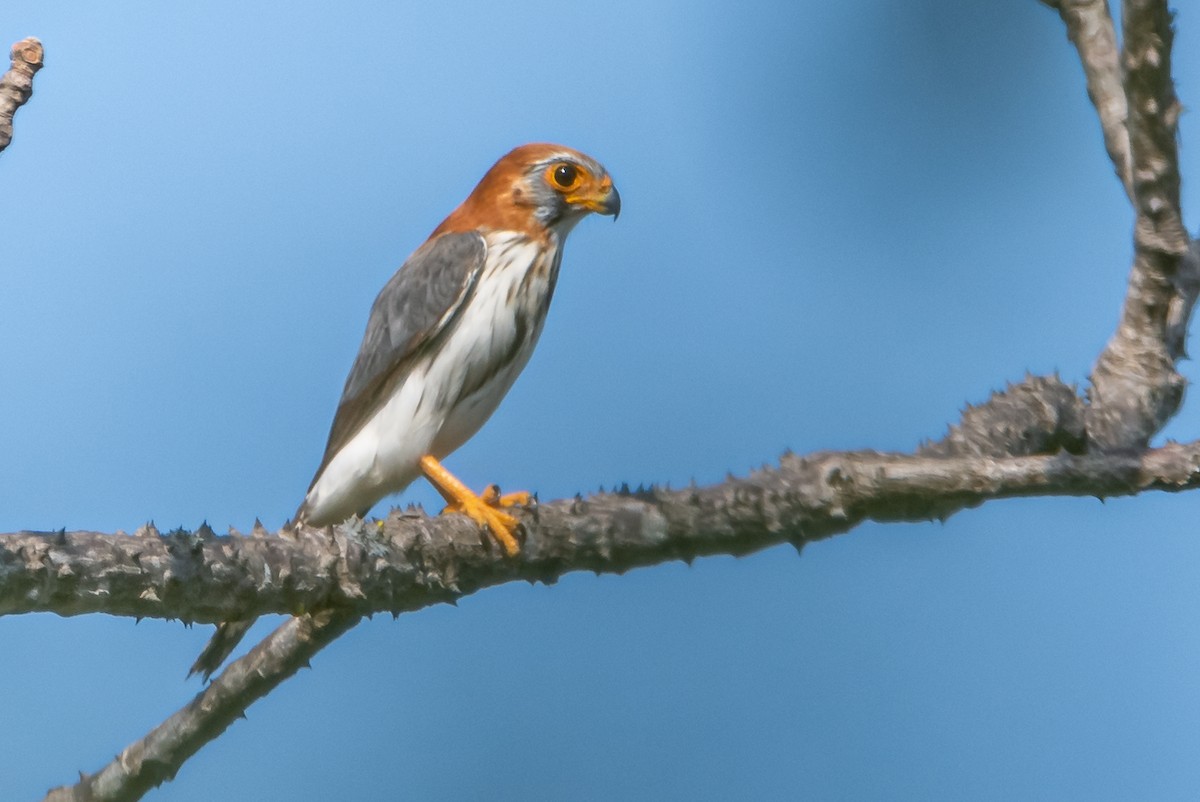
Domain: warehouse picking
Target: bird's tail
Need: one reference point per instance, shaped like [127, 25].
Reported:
[230, 633]
[223, 641]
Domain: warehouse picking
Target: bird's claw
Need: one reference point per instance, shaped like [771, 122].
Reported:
[485, 510]
[492, 497]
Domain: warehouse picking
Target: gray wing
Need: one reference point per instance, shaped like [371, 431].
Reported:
[413, 308]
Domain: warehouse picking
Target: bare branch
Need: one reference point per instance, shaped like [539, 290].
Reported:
[156, 758]
[1040, 415]
[1135, 387]
[1090, 28]
[16, 85]
[411, 562]
[416, 561]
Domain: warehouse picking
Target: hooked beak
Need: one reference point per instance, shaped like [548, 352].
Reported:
[605, 200]
[611, 203]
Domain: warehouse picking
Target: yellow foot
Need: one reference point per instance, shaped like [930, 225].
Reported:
[502, 525]
[484, 510]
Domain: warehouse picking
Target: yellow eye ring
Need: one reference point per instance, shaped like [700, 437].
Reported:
[565, 175]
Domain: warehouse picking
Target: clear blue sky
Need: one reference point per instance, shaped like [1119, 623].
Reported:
[841, 222]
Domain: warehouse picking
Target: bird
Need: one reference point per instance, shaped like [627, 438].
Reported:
[445, 340]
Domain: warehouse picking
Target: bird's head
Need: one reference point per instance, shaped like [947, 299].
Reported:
[537, 189]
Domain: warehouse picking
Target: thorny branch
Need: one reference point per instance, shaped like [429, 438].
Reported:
[16, 85]
[412, 561]
[416, 561]
[1135, 387]
[1036, 438]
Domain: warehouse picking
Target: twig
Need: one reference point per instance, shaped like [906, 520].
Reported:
[1090, 28]
[16, 85]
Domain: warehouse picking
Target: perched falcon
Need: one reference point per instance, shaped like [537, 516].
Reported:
[445, 340]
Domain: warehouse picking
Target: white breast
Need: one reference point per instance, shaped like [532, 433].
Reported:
[454, 390]
[495, 335]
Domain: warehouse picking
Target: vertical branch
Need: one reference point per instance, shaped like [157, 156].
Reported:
[1135, 387]
[16, 85]
[1090, 28]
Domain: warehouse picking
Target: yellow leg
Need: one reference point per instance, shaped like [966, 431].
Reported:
[483, 510]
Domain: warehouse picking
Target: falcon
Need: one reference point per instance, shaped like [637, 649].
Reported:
[445, 340]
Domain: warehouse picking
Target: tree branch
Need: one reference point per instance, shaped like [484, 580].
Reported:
[415, 561]
[16, 85]
[1090, 28]
[1135, 387]
[409, 561]
[156, 758]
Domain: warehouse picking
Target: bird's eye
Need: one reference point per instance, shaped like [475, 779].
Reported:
[566, 176]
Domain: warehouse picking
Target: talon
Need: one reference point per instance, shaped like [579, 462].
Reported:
[520, 498]
[482, 509]
[491, 496]
[500, 524]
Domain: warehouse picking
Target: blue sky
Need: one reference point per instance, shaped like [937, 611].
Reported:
[841, 222]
